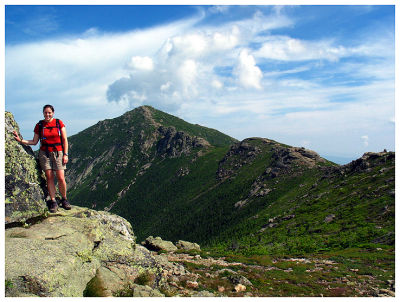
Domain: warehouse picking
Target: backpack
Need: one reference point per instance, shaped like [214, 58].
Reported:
[43, 139]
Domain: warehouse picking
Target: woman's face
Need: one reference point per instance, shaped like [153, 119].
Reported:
[48, 114]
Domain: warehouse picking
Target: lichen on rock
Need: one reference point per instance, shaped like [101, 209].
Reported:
[25, 186]
[63, 252]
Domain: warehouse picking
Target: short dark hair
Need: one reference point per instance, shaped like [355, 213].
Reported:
[48, 106]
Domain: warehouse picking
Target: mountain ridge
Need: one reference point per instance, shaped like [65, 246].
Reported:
[181, 180]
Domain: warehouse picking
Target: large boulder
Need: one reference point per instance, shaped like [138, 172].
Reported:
[157, 244]
[25, 185]
[186, 245]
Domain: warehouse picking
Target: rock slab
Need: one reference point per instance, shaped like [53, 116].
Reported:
[60, 255]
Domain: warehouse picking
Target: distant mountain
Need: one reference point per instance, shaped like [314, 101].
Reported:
[122, 164]
[177, 180]
[339, 159]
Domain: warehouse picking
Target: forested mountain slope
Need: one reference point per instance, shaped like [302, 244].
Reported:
[179, 180]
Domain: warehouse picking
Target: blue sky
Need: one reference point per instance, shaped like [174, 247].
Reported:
[316, 76]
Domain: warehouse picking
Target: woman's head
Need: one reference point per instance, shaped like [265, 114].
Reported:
[48, 112]
[48, 106]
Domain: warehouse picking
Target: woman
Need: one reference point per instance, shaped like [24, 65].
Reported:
[53, 154]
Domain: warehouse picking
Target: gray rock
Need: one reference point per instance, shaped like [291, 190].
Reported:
[330, 218]
[157, 244]
[145, 291]
[386, 293]
[226, 270]
[240, 154]
[78, 253]
[186, 245]
[176, 143]
[192, 284]
[62, 254]
[241, 203]
[203, 293]
[25, 185]
[238, 279]
[288, 217]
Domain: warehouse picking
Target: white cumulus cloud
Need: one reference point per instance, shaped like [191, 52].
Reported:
[248, 73]
[227, 40]
[141, 63]
[187, 74]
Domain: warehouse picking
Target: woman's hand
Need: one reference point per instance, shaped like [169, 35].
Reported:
[65, 159]
[16, 136]
[26, 142]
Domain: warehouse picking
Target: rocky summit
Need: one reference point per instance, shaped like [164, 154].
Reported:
[271, 219]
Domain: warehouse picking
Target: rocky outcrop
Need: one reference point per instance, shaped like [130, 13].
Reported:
[240, 154]
[62, 254]
[365, 163]
[157, 244]
[176, 143]
[368, 161]
[284, 157]
[83, 252]
[25, 188]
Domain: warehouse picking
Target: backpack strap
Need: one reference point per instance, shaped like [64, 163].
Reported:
[59, 133]
[40, 123]
[42, 138]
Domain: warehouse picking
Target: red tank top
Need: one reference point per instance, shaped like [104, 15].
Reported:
[50, 134]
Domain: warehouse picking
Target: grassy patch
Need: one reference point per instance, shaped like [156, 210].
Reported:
[352, 272]
[145, 278]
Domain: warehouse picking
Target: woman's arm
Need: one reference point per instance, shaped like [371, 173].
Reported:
[65, 144]
[33, 141]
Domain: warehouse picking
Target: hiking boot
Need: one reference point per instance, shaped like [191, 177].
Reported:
[65, 204]
[52, 205]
